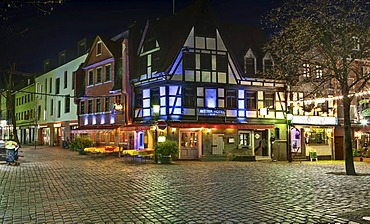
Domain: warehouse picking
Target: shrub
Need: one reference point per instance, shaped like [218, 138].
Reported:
[81, 143]
[166, 148]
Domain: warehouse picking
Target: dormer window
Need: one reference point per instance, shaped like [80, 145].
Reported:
[98, 48]
[267, 64]
[250, 63]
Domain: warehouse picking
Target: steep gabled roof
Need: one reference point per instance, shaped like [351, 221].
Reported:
[171, 34]
[240, 38]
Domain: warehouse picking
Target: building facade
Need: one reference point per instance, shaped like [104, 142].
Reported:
[202, 89]
[56, 111]
[25, 107]
[99, 89]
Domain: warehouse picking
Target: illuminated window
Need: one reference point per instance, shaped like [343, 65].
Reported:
[306, 70]
[250, 100]
[141, 140]
[269, 100]
[98, 75]
[91, 78]
[98, 48]
[154, 97]
[318, 71]
[356, 43]
[231, 100]
[108, 73]
[244, 139]
[210, 98]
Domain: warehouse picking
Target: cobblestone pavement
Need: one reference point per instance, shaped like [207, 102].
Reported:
[54, 185]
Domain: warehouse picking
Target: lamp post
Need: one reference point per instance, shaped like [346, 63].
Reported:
[289, 118]
[156, 110]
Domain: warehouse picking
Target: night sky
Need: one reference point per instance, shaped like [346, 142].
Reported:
[47, 35]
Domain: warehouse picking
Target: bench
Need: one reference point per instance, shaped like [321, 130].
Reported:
[101, 150]
[134, 154]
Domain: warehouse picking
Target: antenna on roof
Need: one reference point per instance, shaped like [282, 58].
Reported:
[173, 7]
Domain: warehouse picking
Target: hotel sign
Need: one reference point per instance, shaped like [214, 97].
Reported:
[211, 112]
[315, 120]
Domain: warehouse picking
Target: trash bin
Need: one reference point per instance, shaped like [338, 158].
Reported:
[11, 149]
[2, 151]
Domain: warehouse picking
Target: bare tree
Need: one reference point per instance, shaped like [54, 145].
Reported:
[10, 10]
[333, 36]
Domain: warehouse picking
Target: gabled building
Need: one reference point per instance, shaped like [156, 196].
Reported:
[196, 80]
[99, 93]
[55, 109]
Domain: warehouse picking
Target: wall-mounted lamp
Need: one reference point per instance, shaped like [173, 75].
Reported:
[156, 109]
[208, 131]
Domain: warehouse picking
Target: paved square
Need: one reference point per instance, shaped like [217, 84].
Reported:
[54, 185]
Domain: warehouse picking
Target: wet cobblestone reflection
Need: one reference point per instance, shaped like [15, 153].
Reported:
[54, 185]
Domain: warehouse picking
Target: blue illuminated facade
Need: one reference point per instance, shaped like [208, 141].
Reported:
[206, 80]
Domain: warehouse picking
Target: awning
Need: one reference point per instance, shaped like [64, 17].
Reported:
[135, 127]
[95, 129]
[221, 126]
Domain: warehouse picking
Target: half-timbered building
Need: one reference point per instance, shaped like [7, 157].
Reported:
[196, 80]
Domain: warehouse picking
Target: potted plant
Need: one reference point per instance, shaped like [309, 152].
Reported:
[81, 143]
[165, 150]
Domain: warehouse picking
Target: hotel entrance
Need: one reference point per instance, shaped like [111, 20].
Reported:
[189, 144]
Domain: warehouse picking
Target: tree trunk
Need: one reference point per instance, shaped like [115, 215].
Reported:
[10, 101]
[350, 167]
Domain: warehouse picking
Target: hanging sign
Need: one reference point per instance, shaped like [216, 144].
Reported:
[314, 120]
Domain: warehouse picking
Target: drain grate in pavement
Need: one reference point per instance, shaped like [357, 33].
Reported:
[361, 216]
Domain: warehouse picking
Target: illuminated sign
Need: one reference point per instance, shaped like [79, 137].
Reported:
[118, 106]
[314, 120]
[366, 112]
[211, 112]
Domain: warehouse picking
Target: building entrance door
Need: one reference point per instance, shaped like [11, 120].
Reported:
[218, 144]
[339, 155]
[189, 145]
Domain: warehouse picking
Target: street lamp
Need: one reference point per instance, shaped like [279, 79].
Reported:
[156, 109]
[289, 118]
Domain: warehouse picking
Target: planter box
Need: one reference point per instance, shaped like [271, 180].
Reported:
[165, 159]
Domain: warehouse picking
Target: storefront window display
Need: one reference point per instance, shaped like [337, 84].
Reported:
[317, 136]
